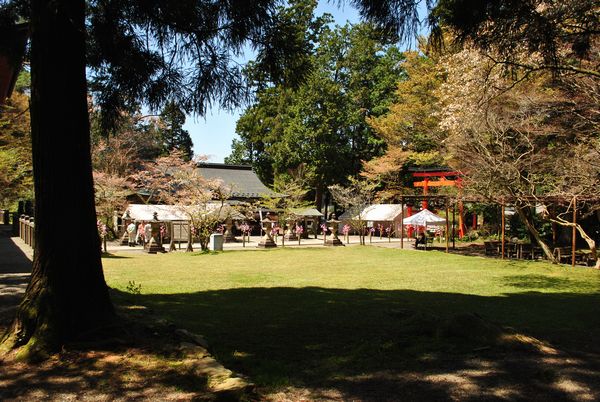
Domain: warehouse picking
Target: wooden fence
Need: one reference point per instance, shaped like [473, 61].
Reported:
[27, 230]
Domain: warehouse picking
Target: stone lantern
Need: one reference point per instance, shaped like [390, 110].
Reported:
[228, 236]
[155, 243]
[333, 226]
[267, 240]
[126, 222]
[290, 233]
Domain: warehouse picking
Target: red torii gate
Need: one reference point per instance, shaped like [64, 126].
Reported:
[441, 182]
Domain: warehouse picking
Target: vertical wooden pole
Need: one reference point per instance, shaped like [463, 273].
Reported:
[503, 228]
[453, 226]
[554, 226]
[402, 222]
[574, 232]
[447, 229]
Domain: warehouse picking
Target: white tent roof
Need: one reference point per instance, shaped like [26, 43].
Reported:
[143, 212]
[376, 212]
[425, 217]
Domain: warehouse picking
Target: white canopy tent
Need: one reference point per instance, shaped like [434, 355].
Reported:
[424, 218]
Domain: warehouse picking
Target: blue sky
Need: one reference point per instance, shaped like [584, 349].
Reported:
[212, 135]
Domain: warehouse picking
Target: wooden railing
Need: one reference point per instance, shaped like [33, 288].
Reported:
[27, 230]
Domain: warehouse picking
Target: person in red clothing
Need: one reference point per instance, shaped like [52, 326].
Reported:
[139, 237]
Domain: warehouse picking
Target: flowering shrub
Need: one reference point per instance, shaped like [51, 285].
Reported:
[245, 228]
[102, 229]
[324, 228]
[299, 230]
[346, 230]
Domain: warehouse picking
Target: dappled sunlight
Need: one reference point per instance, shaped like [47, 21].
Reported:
[129, 374]
[374, 344]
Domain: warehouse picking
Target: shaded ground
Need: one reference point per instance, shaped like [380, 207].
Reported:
[340, 352]
[148, 359]
[15, 266]
[147, 362]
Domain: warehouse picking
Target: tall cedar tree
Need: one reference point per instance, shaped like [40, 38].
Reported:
[67, 295]
[138, 51]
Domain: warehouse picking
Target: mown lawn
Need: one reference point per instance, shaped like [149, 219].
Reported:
[309, 316]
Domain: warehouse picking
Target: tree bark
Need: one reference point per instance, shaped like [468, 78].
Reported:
[67, 298]
[536, 235]
[319, 197]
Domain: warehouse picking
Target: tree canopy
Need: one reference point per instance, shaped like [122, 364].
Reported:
[411, 126]
[16, 178]
[322, 123]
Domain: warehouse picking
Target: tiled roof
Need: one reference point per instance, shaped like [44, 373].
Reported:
[242, 179]
[306, 212]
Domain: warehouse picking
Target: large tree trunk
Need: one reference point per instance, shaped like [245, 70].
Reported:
[67, 298]
[319, 197]
[536, 235]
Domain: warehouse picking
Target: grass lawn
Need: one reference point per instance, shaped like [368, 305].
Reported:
[326, 317]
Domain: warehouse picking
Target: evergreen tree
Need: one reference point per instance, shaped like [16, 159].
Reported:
[323, 122]
[173, 136]
[241, 154]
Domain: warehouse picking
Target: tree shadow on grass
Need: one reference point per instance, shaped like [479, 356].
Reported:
[360, 344]
[114, 256]
[101, 375]
[532, 281]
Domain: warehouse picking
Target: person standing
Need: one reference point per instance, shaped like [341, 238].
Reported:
[147, 233]
[131, 234]
[139, 237]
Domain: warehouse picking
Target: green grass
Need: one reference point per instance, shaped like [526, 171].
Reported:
[305, 316]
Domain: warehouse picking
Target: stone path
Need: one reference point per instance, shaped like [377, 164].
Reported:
[15, 267]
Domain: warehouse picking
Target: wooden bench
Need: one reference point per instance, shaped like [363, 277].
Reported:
[564, 256]
[492, 247]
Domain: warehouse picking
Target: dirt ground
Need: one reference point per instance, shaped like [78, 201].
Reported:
[149, 360]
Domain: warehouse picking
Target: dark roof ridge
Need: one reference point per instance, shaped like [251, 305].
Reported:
[224, 166]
